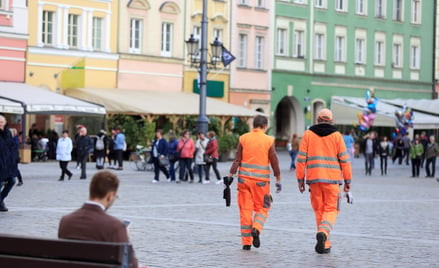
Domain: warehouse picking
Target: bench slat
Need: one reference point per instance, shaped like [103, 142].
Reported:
[91, 251]
[28, 262]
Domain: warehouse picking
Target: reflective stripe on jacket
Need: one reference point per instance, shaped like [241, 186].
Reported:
[255, 159]
[323, 159]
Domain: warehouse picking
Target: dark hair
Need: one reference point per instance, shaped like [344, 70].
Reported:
[65, 131]
[260, 121]
[159, 131]
[102, 183]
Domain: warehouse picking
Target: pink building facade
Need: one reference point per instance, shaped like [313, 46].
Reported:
[13, 40]
[251, 35]
[151, 45]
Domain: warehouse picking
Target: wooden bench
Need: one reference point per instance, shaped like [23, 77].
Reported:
[23, 252]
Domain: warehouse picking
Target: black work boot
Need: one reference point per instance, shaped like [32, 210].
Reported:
[256, 241]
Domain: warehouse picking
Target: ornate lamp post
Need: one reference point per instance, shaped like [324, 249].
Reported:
[199, 60]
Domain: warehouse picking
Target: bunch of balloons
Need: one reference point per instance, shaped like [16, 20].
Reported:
[365, 118]
[404, 121]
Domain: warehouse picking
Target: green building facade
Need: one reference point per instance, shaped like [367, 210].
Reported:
[326, 48]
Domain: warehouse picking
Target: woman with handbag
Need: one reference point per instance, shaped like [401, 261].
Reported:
[186, 149]
[159, 155]
[211, 157]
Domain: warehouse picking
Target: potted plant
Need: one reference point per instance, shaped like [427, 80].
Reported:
[226, 144]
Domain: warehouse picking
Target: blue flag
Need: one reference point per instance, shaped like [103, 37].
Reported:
[226, 57]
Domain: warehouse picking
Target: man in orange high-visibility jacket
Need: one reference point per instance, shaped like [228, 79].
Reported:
[324, 160]
[254, 154]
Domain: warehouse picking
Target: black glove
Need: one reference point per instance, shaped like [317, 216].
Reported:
[278, 187]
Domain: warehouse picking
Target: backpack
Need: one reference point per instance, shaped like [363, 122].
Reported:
[100, 142]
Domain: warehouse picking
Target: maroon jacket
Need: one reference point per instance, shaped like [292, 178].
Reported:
[92, 223]
[212, 148]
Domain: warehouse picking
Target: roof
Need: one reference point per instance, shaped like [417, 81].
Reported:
[345, 110]
[35, 100]
[10, 107]
[156, 102]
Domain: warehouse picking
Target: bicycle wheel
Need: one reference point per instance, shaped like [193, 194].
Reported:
[134, 159]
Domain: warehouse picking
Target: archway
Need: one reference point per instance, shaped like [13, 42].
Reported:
[317, 105]
[288, 119]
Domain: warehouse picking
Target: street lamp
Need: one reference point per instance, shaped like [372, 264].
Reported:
[199, 59]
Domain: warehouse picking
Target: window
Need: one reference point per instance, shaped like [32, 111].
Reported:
[340, 5]
[379, 53]
[260, 3]
[259, 61]
[414, 57]
[135, 35]
[166, 46]
[361, 8]
[47, 30]
[281, 41]
[359, 51]
[298, 44]
[380, 8]
[339, 48]
[397, 10]
[319, 3]
[218, 33]
[242, 50]
[319, 46]
[397, 55]
[299, 1]
[72, 32]
[416, 11]
[97, 33]
[243, 2]
[2, 5]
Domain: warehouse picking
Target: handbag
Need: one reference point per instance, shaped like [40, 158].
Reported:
[164, 161]
[207, 158]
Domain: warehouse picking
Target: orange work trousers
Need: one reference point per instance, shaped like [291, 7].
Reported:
[325, 200]
[254, 201]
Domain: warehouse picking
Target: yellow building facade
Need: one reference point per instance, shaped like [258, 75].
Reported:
[72, 44]
[218, 14]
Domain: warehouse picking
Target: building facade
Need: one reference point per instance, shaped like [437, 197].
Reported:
[72, 44]
[151, 45]
[325, 48]
[251, 38]
[13, 40]
[218, 28]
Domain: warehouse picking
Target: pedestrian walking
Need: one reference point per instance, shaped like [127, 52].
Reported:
[172, 155]
[84, 146]
[119, 146]
[424, 141]
[430, 156]
[399, 150]
[158, 153]
[111, 153]
[64, 148]
[370, 149]
[100, 151]
[16, 139]
[323, 163]
[416, 152]
[186, 149]
[293, 147]
[406, 140]
[384, 152]
[8, 162]
[212, 152]
[255, 152]
[200, 149]
[349, 142]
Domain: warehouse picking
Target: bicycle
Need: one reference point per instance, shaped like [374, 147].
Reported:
[140, 160]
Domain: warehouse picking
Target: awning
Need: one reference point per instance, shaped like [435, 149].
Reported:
[35, 100]
[425, 106]
[10, 107]
[345, 110]
[156, 102]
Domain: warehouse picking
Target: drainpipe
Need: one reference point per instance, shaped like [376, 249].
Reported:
[434, 50]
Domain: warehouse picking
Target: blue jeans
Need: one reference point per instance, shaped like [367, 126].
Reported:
[8, 184]
[293, 154]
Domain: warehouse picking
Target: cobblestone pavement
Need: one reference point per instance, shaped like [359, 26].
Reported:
[394, 221]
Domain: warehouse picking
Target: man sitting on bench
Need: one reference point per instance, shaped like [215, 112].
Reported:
[91, 222]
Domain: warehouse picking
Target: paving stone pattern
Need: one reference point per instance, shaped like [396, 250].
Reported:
[394, 221]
